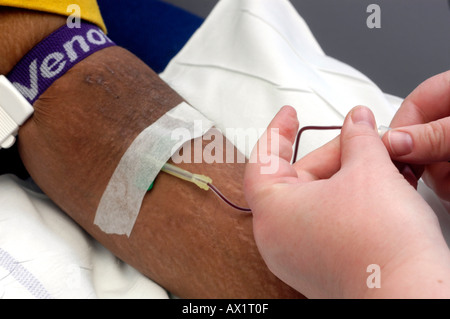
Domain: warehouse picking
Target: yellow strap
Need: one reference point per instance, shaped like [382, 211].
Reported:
[88, 8]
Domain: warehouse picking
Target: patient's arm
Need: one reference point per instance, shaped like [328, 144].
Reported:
[184, 238]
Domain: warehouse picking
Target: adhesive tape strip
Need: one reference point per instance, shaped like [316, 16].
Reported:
[121, 202]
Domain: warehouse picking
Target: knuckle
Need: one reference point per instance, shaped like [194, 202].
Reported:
[436, 137]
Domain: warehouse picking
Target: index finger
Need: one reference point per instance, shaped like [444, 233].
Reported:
[269, 162]
[430, 101]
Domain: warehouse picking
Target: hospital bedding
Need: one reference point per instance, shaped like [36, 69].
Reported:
[248, 59]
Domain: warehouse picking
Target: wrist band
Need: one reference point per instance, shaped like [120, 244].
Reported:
[39, 68]
[54, 56]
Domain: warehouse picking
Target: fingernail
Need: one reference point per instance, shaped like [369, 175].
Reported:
[401, 143]
[362, 115]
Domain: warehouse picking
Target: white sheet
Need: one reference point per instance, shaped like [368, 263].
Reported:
[44, 254]
[248, 59]
[253, 56]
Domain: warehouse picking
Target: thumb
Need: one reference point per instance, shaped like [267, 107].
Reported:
[360, 142]
[421, 143]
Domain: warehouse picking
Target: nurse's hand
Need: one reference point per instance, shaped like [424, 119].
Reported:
[422, 134]
[321, 222]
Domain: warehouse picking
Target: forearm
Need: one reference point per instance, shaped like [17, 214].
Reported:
[184, 238]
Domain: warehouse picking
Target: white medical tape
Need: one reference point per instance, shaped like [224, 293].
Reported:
[121, 202]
